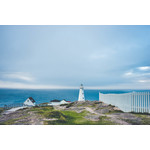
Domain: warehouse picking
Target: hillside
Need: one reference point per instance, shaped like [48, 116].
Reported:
[76, 113]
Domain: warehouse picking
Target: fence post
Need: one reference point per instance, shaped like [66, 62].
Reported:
[144, 101]
[148, 103]
[131, 101]
[138, 101]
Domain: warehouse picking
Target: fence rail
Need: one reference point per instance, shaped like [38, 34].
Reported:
[13, 105]
[135, 101]
[20, 105]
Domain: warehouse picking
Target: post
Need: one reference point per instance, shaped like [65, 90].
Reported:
[135, 102]
[148, 103]
[131, 101]
[145, 100]
[138, 100]
[142, 101]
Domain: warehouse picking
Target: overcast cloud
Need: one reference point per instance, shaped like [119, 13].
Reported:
[114, 57]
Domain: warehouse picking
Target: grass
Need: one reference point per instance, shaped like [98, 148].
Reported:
[138, 113]
[63, 117]
[9, 122]
[145, 119]
[1, 110]
[142, 119]
[64, 104]
[13, 121]
[67, 117]
[42, 109]
[74, 118]
[69, 105]
[114, 111]
[104, 120]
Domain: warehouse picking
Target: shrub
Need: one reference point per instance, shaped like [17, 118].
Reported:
[64, 104]
[55, 114]
[1, 110]
[69, 105]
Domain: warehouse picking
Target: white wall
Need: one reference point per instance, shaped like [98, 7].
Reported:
[58, 103]
[54, 103]
[29, 102]
[63, 102]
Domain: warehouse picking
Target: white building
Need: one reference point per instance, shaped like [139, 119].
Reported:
[64, 101]
[58, 102]
[81, 94]
[29, 102]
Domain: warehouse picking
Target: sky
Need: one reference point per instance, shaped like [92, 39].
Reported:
[63, 57]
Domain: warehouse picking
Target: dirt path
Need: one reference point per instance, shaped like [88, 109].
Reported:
[112, 117]
[35, 120]
[92, 111]
[21, 117]
[117, 120]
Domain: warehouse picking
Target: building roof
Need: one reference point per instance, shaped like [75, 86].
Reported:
[31, 99]
[55, 100]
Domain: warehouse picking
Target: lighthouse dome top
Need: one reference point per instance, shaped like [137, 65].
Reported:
[81, 86]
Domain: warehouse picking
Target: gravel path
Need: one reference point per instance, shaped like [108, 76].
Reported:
[35, 120]
[22, 117]
[117, 120]
[113, 118]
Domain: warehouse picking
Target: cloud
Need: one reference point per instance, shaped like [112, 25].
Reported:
[68, 55]
[19, 85]
[144, 68]
[18, 76]
[130, 73]
[137, 75]
[144, 81]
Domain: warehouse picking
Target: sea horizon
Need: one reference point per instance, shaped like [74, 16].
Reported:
[13, 96]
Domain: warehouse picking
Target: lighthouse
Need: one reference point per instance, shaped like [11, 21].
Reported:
[81, 94]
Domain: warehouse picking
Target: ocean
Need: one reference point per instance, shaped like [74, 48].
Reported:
[12, 96]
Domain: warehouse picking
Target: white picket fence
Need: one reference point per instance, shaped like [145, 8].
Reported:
[135, 101]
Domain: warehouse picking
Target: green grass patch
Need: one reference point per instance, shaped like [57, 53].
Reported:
[64, 117]
[13, 121]
[1, 110]
[74, 118]
[115, 111]
[41, 108]
[9, 122]
[64, 104]
[138, 113]
[142, 119]
[104, 120]
[145, 119]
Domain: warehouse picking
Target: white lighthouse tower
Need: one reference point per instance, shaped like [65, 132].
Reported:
[81, 94]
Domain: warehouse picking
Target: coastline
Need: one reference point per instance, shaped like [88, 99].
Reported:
[75, 113]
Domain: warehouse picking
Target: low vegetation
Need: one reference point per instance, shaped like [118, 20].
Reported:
[75, 113]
